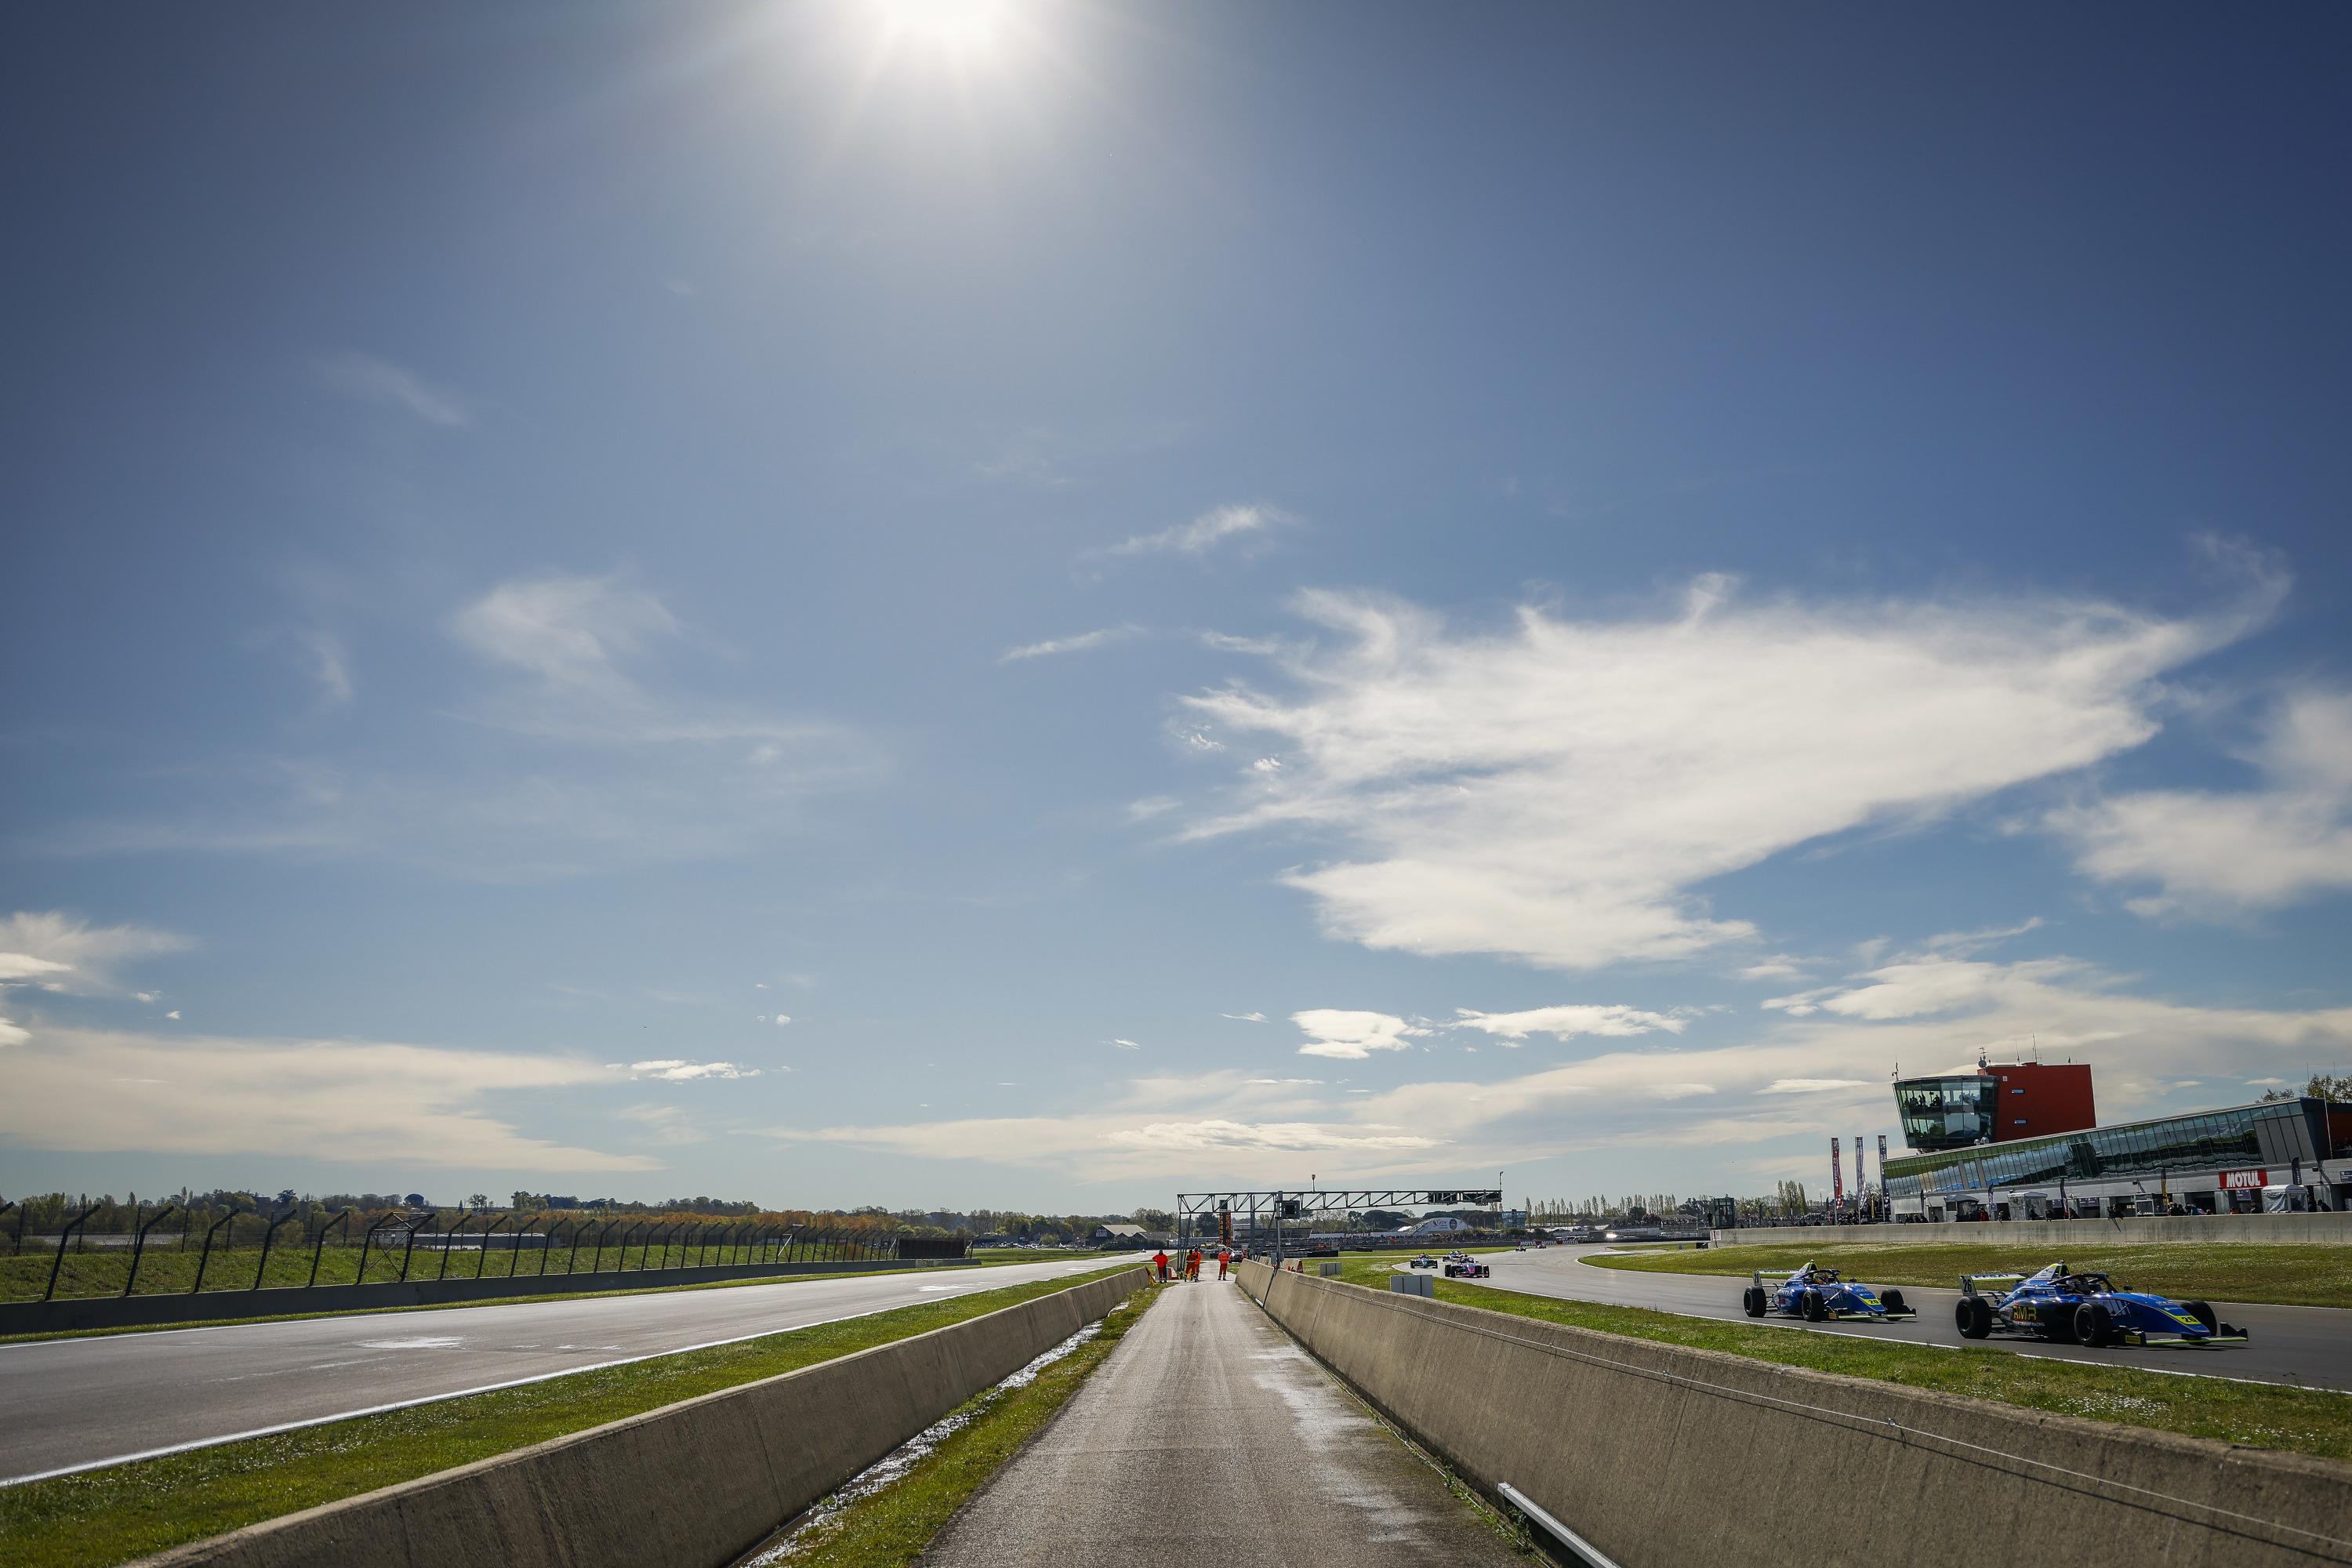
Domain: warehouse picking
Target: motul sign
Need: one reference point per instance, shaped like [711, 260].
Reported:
[2241, 1181]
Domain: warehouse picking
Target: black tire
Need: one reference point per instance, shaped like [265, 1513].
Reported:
[2058, 1327]
[1816, 1309]
[1892, 1300]
[1973, 1315]
[2203, 1313]
[2093, 1326]
[1752, 1302]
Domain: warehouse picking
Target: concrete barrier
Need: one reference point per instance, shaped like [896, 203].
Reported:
[700, 1482]
[149, 1311]
[2279, 1229]
[1662, 1456]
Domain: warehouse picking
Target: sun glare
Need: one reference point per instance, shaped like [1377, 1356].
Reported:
[960, 25]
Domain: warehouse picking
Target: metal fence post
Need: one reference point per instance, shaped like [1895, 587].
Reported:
[483, 1261]
[410, 1250]
[63, 1237]
[228, 1219]
[572, 1258]
[464, 1214]
[267, 1237]
[549, 1247]
[321, 1251]
[139, 1246]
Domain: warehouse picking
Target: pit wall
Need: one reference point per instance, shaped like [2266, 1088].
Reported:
[212, 1306]
[698, 1483]
[2288, 1229]
[1662, 1457]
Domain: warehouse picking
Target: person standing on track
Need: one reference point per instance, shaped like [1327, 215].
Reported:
[1159, 1263]
[1224, 1261]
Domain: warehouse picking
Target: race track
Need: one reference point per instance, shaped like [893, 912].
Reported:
[2306, 1345]
[75, 1404]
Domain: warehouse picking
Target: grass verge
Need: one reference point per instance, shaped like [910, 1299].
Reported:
[895, 1526]
[2258, 1415]
[127, 1510]
[2221, 1271]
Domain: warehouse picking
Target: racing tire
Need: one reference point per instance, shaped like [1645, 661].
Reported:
[1893, 1301]
[1973, 1316]
[2058, 1328]
[2203, 1313]
[1816, 1309]
[1752, 1302]
[2093, 1326]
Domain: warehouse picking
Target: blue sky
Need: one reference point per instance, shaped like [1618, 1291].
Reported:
[1030, 603]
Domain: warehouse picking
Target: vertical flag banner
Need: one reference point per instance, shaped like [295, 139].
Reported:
[1837, 1175]
[1882, 1161]
[1861, 1176]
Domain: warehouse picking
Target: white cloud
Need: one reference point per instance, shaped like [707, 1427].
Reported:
[1553, 792]
[1813, 1085]
[1124, 1045]
[1225, 643]
[1244, 1017]
[345, 1102]
[671, 1069]
[329, 664]
[1780, 966]
[1144, 810]
[372, 380]
[1205, 532]
[1567, 1021]
[13, 1033]
[58, 952]
[174, 1014]
[2210, 852]
[665, 1123]
[778, 1019]
[1352, 1036]
[1079, 643]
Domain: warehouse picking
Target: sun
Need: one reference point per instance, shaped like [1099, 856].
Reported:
[962, 26]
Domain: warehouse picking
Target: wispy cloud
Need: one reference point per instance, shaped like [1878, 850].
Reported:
[1078, 642]
[671, 1069]
[372, 380]
[1124, 1045]
[343, 1103]
[1552, 793]
[1567, 1022]
[2208, 852]
[1219, 525]
[53, 951]
[1244, 1017]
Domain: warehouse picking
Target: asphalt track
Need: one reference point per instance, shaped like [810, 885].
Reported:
[72, 1405]
[2311, 1346]
[1208, 1433]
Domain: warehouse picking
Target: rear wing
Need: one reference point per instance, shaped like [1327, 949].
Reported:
[1969, 1282]
[1761, 1275]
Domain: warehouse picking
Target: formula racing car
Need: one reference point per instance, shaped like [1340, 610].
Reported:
[1462, 1265]
[1425, 1261]
[2067, 1307]
[1818, 1295]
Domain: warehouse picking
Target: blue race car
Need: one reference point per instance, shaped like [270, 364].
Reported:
[1818, 1295]
[2067, 1307]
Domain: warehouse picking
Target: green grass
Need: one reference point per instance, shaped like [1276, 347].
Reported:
[2259, 1416]
[127, 1510]
[894, 1526]
[2220, 1271]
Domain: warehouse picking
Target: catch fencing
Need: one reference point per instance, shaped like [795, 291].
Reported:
[163, 1250]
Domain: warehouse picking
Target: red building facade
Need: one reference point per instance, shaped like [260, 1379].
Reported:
[2037, 1097]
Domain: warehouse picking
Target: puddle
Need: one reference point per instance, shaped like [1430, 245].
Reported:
[795, 1538]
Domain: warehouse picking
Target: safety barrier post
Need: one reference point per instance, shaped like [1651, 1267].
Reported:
[227, 1219]
[552, 1231]
[410, 1250]
[268, 1237]
[139, 1246]
[367, 1242]
[572, 1258]
[464, 1214]
[489, 1230]
[319, 1251]
[63, 1237]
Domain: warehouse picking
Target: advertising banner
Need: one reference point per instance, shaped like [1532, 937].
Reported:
[2245, 1181]
[1837, 1175]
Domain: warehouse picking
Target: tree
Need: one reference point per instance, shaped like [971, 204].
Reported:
[522, 1200]
[285, 1198]
[2336, 1087]
[479, 1200]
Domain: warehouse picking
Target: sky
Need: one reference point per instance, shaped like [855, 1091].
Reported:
[1037, 603]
